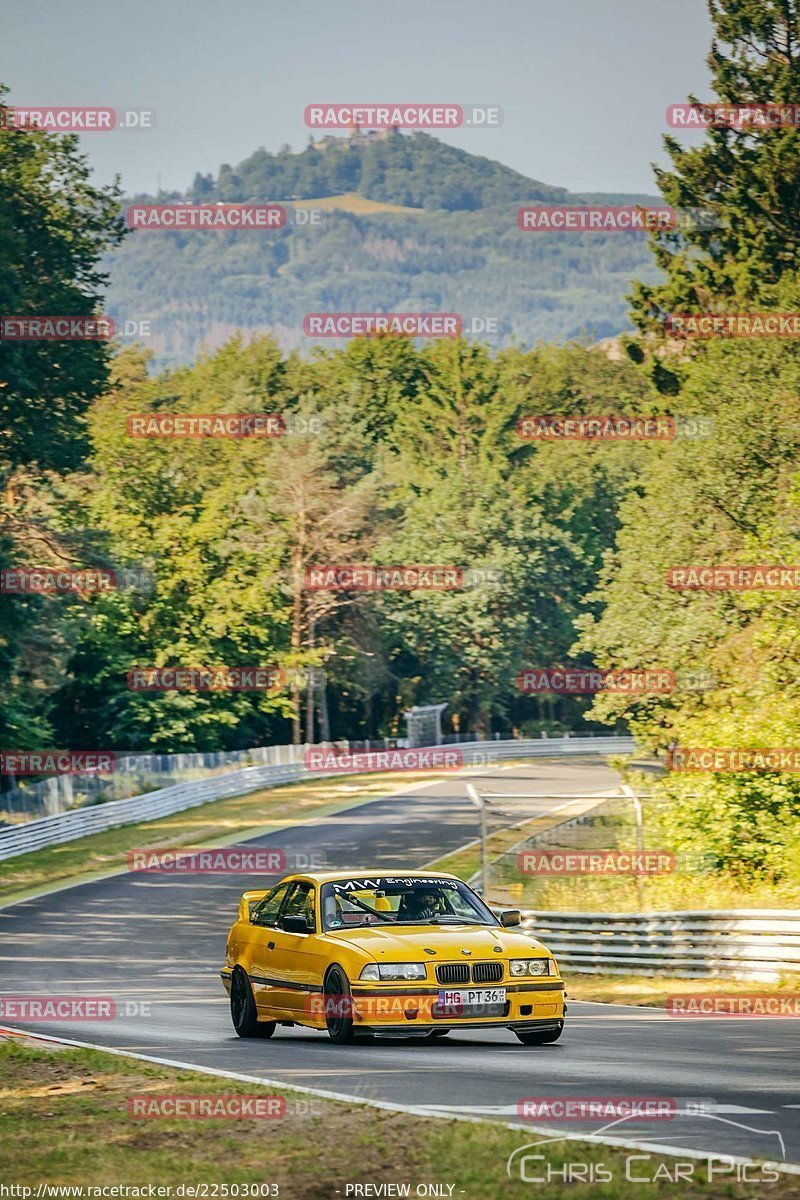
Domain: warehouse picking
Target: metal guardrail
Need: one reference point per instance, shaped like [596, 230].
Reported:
[67, 827]
[133, 775]
[758, 943]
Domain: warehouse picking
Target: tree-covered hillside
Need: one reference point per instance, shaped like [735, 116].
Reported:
[417, 170]
[457, 248]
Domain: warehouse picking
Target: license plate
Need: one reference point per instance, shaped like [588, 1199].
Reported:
[471, 997]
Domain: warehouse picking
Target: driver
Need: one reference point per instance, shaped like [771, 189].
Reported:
[422, 906]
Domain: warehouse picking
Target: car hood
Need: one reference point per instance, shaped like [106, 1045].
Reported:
[410, 945]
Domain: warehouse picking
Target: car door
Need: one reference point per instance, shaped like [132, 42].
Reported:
[301, 955]
[267, 972]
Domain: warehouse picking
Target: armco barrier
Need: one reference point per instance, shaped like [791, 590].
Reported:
[758, 943]
[66, 827]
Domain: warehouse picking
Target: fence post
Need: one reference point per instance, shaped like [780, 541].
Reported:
[637, 808]
[478, 799]
[51, 798]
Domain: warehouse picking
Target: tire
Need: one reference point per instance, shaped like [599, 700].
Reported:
[539, 1037]
[243, 1009]
[340, 1027]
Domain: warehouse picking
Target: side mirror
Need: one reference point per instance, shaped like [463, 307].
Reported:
[295, 924]
[510, 916]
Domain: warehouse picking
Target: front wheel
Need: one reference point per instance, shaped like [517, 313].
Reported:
[243, 1009]
[539, 1037]
[338, 1006]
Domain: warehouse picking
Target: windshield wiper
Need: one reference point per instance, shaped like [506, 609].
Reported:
[455, 921]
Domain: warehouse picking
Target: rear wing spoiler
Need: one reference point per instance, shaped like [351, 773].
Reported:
[248, 900]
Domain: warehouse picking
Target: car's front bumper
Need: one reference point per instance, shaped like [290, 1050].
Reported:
[395, 1008]
[387, 1007]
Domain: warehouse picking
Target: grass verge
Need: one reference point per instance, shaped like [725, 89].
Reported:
[654, 991]
[221, 822]
[65, 1120]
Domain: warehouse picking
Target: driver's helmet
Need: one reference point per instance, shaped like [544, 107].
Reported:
[423, 904]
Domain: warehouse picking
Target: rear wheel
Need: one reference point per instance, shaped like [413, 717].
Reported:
[338, 1005]
[243, 1009]
[539, 1037]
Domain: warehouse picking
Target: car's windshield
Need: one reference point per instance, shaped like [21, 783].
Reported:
[393, 900]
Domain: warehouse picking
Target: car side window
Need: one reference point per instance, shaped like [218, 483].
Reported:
[266, 913]
[301, 903]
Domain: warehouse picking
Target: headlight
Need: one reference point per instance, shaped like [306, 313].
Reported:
[402, 970]
[370, 972]
[533, 966]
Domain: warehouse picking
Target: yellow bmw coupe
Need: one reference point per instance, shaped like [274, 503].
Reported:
[416, 953]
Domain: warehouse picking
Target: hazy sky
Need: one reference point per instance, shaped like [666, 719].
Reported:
[583, 83]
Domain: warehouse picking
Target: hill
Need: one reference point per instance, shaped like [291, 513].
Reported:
[409, 223]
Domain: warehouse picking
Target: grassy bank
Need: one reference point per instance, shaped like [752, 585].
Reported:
[691, 880]
[654, 991]
[65, 1119]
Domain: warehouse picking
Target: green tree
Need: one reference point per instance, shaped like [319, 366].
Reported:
[54, 228]
[729, 497]
[747, 179]
[457, 501]
[195, 512]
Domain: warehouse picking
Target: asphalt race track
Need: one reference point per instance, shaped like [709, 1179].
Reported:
[160, 940]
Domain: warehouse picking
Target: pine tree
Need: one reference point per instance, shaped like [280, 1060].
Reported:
[747, 178]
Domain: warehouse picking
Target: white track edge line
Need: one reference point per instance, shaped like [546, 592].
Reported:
[411, 1109]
